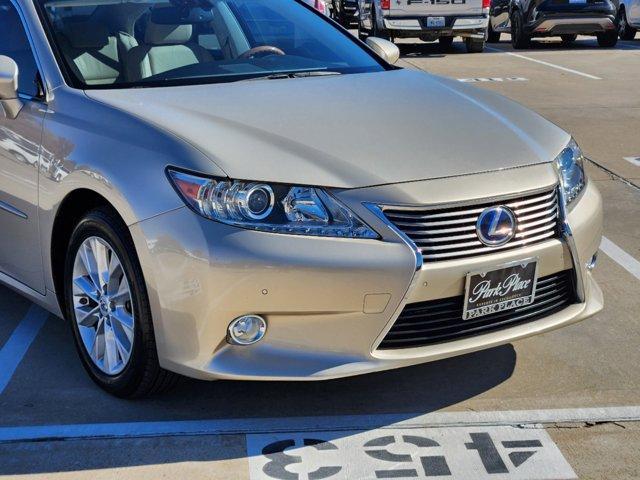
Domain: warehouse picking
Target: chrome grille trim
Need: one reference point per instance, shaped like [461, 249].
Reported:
[437, 321]
[449, 232]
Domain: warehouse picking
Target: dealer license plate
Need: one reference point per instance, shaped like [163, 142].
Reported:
[505, 288]
[435, 22]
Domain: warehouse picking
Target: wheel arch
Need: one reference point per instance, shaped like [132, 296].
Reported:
[73, 207]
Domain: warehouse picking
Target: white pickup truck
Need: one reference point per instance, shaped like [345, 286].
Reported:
[427, 20]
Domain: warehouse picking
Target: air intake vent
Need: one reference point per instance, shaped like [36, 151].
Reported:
[438, 321]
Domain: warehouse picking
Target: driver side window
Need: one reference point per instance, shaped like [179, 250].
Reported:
[14, 44]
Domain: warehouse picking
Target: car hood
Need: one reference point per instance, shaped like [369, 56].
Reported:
[347, 131]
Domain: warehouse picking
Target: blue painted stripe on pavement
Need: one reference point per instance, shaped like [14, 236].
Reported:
[19, 342]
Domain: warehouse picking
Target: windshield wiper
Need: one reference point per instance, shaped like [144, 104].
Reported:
[286, 75]
[315, 73]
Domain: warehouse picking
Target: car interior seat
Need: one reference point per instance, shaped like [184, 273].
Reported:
[94, 53]
[165, 48]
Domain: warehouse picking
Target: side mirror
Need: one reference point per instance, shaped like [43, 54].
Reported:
[389, 51]
[11, 104]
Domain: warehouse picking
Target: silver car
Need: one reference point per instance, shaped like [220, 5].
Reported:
[198, 207]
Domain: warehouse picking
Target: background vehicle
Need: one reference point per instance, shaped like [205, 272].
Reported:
[628, 19]
[566, 19]
[345, 11]
[427, 20]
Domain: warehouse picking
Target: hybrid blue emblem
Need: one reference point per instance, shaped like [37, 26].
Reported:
[496, 226]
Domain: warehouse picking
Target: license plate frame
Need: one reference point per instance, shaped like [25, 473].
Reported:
[436, 22]
[482, 298]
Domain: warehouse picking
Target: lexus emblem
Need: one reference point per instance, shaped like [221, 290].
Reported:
[496, 226]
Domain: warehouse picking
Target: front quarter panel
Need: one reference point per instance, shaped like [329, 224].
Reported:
[88, 145]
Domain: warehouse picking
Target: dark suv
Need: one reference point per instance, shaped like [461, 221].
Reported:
[566, 19]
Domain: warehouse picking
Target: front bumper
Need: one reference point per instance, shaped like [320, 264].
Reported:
[411, 27]
[330, 302]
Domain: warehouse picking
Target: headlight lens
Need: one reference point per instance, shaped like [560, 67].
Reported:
[570, 165]
[277, 208]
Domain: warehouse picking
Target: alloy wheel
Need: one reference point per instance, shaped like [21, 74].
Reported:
[102, 304]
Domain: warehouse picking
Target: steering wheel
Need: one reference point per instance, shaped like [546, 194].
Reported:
[262, 51]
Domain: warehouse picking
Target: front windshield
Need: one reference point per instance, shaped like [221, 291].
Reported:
[138, 43]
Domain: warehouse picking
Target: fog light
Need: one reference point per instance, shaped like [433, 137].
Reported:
[247, 330]
[592, 263]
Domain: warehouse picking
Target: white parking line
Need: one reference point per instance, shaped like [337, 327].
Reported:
[621, 257]
[19, 342]
[316, 424]
[552, 65]
[492, 79]
[633, 160]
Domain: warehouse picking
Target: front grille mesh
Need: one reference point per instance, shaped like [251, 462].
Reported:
[437, 321]
[450, 233]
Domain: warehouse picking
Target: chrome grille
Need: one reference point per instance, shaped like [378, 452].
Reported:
[450, 233]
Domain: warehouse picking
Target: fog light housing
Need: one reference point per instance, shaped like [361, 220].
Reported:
[246, 330]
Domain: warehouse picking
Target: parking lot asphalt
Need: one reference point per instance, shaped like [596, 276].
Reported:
[576, 390]
[591, 92]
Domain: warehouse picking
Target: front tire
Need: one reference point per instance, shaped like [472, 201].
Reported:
[108, 309]
[446, 43]
[608, 39]
[475, 45]
[492, 35]
[519, 39]
[625, 31]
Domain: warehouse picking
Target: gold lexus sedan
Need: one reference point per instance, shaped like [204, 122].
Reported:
[240, 189]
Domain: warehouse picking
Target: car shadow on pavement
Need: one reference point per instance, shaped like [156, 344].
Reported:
[168, 457]
[433, 50]
[418, 389]
[51, 388]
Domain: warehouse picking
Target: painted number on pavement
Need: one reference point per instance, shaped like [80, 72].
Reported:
[492, 79]
[448, 453]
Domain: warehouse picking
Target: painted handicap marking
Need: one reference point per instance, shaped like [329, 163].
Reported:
[485, 452]
[493, 79]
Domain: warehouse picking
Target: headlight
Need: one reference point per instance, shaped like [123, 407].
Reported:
[277, 208]
[570, 165]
